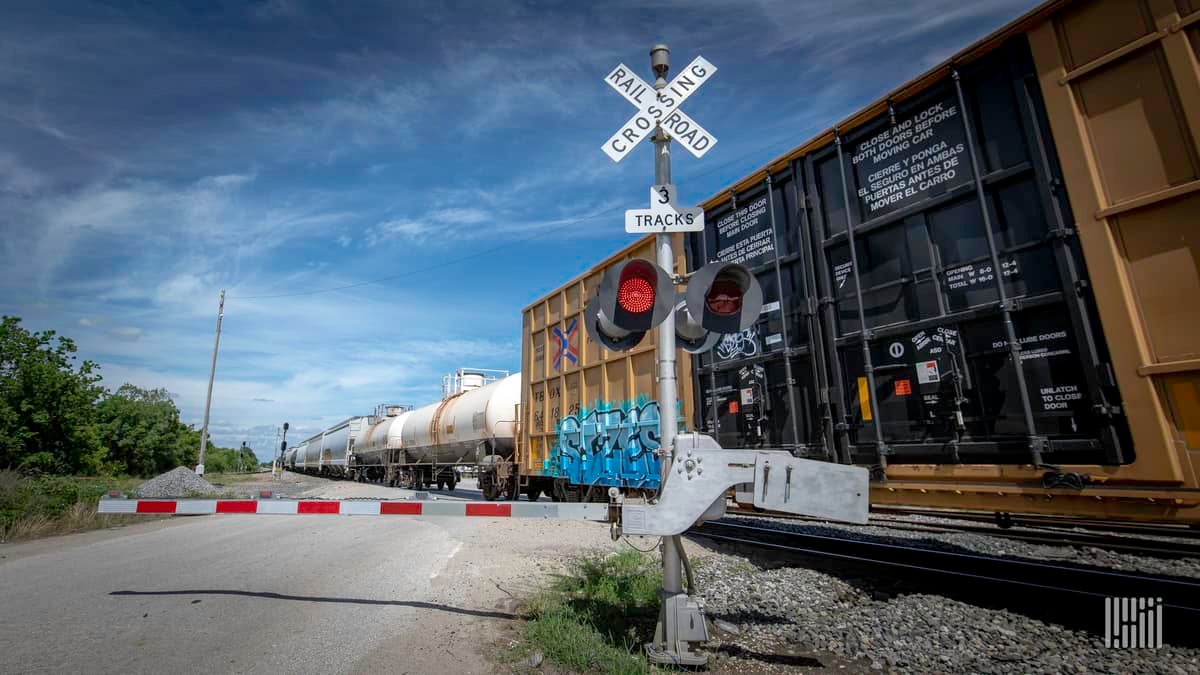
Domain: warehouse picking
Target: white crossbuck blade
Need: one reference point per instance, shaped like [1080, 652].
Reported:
[661, 107]
[693, 492]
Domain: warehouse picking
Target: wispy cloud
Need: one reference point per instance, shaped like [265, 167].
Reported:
[409, 230]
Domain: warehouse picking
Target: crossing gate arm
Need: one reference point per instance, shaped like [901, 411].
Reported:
[357, 507]
[694, 491]
[702, 471]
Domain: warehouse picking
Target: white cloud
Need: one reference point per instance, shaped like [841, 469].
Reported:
[403, 229]
[18, 179]
[460, 216]
[371, 112]
[128, 333]
[229, 180]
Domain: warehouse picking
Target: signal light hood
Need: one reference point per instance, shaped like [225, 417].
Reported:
[724, 297]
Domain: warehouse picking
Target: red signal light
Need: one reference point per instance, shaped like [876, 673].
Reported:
[635, 294]
[724, 297]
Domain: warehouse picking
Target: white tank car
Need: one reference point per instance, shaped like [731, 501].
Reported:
[451, 431]
[379, 438]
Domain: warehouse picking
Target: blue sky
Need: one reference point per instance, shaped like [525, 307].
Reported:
[152, 154]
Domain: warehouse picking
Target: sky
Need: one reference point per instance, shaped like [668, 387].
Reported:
[379, 187]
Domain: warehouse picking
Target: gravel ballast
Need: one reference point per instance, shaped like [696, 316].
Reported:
[789, 610]
[178, 482]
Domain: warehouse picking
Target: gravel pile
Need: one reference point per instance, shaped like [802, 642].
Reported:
[997, 546]
[865, 627]
[178, 482]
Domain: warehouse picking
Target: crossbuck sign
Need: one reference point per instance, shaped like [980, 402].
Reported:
[660, 107]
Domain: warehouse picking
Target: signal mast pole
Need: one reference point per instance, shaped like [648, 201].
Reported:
[212, 372]
[668, 648]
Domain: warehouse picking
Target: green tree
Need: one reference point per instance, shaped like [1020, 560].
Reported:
[141, 430]
[188, 444]
[47, 403]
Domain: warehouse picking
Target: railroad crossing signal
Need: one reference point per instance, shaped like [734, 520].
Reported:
[721, 298]
[660, 107]
[637, 295]
[633, 297]
[664, 214]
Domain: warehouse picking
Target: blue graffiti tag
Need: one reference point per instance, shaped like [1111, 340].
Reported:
[609, 444]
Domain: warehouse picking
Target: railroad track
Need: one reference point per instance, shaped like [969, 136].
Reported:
[1046, 521]
[1046, 534]
[1063, 592]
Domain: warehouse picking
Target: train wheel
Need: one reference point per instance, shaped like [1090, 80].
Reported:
[490, 492]
[441, 485]
[533, 493]
[450, 485]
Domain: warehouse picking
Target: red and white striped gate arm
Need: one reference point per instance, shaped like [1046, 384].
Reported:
[357, 507]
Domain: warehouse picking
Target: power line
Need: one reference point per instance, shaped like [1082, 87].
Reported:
[477, 254]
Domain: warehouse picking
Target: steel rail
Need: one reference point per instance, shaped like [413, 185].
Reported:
[1035, 534]
[1181, 531]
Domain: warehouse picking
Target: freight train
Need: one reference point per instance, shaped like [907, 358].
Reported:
[474, 423]
[984, 286]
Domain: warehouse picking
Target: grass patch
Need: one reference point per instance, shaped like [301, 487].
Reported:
[598, 615]
[39, 506]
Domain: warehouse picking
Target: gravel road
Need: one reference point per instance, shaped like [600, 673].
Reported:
[263, 594]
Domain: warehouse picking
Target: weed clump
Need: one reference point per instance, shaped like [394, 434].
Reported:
[598, 614]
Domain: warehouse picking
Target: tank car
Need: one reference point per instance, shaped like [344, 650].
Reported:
[421, 447]
[473, 424]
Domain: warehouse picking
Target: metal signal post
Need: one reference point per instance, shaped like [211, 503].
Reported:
[667, 646]
[672, 581]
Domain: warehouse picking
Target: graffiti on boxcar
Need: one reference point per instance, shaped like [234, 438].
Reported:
[742, 343]
[609, 444]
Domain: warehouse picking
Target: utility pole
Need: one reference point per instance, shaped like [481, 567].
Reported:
[212, 372]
